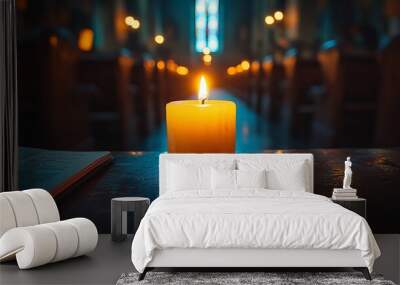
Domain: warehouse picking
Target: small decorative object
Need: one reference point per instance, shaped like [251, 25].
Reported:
[347, 192]
[201, 126]
[119, 208]
[347, 174]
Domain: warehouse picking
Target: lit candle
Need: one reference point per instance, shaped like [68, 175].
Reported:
[201, 126]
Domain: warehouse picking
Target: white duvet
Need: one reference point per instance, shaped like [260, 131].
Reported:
[250, 219]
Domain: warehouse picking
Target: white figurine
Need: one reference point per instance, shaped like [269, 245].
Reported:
[347, 174]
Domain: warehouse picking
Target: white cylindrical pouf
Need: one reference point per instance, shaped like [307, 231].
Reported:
[87, 234]
[33, 246]
[7, 218]
[23, 208]
[67, 240]
[37, 245]
[45, 206]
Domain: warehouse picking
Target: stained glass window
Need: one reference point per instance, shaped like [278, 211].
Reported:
[207, 25]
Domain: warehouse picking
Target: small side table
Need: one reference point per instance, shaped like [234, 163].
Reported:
[357, 205]
[119, 208]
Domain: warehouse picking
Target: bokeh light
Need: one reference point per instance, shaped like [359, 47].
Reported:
[159, 39]
[135, 24]
[207, 59]
[182, 70]
[245, 64]
[269, 20]
[160, 65]
[278, 15]
[129, 20]
[231, 70]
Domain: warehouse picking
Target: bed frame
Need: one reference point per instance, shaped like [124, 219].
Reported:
[243, 259]
[246, 258]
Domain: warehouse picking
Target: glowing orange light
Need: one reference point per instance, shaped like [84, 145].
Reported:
[85, 41]
[171, 65]
[239, 68]
[161, 65]
[203, 92]
[159, 39]
[207, 59]
[124, 60]
[53, 40]
[182, 70]
[269, 20]
[255, 66]
[245, 64]
[231, 70]
[278, 15]
[149, 64]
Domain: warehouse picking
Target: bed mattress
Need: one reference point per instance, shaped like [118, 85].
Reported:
[250, 219]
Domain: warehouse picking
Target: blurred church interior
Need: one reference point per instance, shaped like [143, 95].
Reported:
[96, 74]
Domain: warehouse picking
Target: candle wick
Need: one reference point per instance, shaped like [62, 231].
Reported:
[203, 101]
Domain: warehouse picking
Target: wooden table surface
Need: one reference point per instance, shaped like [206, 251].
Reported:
[376, 175]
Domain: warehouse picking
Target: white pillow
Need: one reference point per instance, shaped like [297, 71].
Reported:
[227, 179]
[251, 178]
[282, 174]
[181, 178]
[223, 179]
[187, 174]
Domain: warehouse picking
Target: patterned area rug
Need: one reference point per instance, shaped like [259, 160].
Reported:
[229, 278]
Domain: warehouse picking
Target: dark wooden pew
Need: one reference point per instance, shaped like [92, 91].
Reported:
[257, 83]
[302, 75]
[161, 91]
[274, 76]
[141, 93]
[388, 117]
[51, 113]
[241, 83]
[105, 80]
[177, 84]
[347, 115]
[155, 91]
[173, 84]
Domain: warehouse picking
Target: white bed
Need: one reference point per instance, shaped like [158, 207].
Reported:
[249, 227]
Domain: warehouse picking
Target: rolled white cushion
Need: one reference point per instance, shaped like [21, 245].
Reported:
[67, 240]
[23, 208]
[7, 219]
[87, 234]
[33, 246]
[37, 245]
[46, 208]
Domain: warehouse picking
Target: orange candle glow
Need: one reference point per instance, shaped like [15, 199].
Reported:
[201, 126]
[85, 42]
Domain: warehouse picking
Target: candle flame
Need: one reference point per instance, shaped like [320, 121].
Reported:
[203, 92]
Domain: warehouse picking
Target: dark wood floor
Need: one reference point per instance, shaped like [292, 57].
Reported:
[376, 175]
